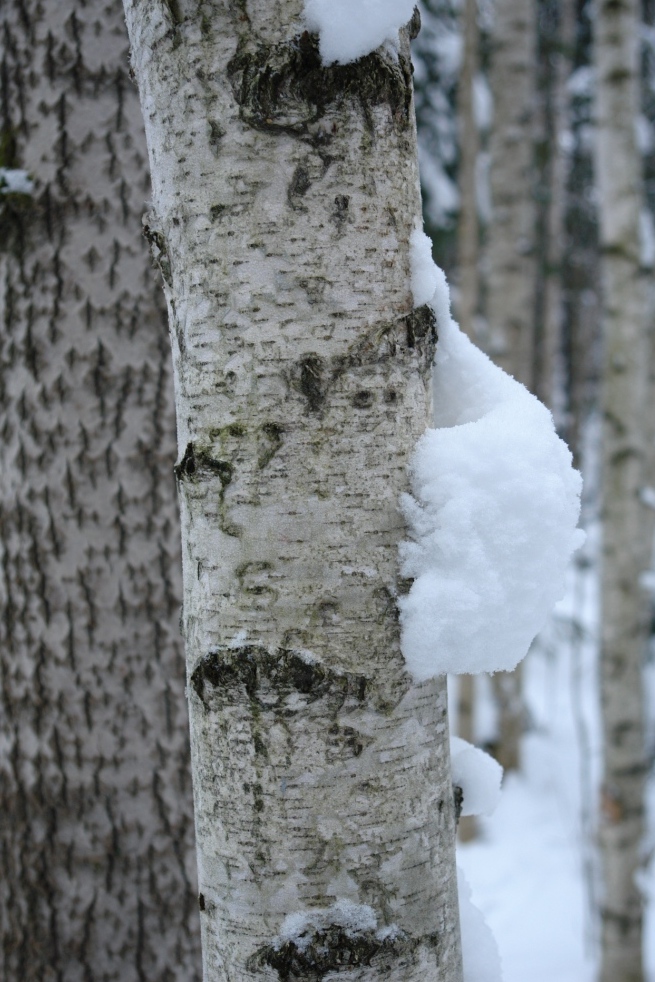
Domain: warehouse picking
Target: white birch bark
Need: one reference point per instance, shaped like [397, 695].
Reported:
[284, 195]
[96, 831]
[627, 529]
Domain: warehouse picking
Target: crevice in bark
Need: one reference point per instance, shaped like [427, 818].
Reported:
[159, 252]
[308, 379]
[333, 950]
[196, 461]
[272, 433]
[286, 88]
[458, 799]
[226, 675]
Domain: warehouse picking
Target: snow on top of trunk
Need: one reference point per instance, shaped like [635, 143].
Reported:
[477, 774]
[351, 29]
[493, 514]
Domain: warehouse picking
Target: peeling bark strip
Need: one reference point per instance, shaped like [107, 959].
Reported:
[98, 873]
[285, 193]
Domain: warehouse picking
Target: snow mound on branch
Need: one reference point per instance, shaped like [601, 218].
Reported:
[480, 955]
[351, 29]
[493, 514]
[477, 774]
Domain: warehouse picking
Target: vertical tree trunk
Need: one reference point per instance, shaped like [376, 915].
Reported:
[555, 42]
[284, 195]
[98, 878]
[468, 279]
[510, 285]
[468, 226]
[627, 528]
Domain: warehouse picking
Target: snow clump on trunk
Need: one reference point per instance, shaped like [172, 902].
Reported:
[494, 508]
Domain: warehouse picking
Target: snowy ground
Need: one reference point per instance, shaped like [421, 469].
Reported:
[532, 870]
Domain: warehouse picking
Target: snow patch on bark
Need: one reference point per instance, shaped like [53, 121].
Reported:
[493, 513]
[351, 29]
[15, 181]
[354, 919]
[477, 774]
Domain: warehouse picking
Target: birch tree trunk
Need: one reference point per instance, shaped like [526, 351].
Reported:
[98, 873]
[627, 529]
[510, 285]
[284, 195]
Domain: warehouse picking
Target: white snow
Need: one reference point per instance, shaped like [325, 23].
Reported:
[355, 919]
[478, 775]
[426, 276]
[480, 957]
[15, 181]
[351, 29]
[493, 514]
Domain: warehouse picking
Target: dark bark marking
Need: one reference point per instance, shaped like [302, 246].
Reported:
[309, 380]
[458, 801]
[363, 399]
[298, 187]
[216, 134]
[286, 88]
[273, 436]
[421, 327]
[226, 675]
[159, 252]
[332, 950]
[340, 212]
[195, 461]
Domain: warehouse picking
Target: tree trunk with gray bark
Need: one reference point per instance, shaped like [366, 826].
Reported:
[98, 872]
[626, 469]
[284, 195]
[510, 283]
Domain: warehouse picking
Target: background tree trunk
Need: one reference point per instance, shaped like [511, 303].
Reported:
[627, 526]
[468, 226]
[510, 285]
[98, 872]
[281, 219]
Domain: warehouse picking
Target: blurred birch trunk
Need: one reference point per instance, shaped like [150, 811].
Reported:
[96, 833]
[468, 270]
[284, 196]
[510, 260]
[626, 467]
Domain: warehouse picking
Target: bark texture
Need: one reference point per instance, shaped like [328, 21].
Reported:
[284, 195]
[96, 837]
[627, 528]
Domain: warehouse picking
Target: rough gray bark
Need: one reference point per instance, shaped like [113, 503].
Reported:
[96, 835]
[626, 466]
[284, 195]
